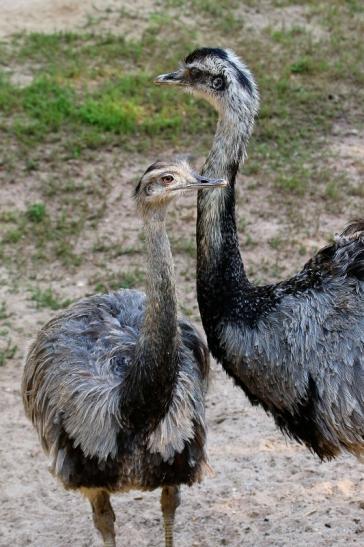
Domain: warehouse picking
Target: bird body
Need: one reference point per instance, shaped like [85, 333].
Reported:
[76, 393]
[115, 385]
[296, 347]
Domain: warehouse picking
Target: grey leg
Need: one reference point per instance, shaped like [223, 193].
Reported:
[170, 500]
[103, 515]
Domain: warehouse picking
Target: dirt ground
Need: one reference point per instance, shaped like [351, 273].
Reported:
[266, 490]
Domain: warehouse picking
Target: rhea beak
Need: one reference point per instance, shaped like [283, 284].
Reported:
[172, 78]
[202, 183]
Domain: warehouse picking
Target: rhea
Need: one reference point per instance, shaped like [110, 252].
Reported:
[296, 347]
[115, 385]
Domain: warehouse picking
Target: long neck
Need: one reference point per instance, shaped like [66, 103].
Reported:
[220, 270]
[159, 330]
[216, 209]
[156, 361]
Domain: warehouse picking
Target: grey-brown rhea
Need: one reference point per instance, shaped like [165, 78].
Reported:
[295, 347]
[115, 385]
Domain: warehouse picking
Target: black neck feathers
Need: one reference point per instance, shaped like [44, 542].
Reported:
[221, 278]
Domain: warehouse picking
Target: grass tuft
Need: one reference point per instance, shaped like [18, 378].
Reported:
[48, 299]
[125, 280]
[36, 212]
[7, 353]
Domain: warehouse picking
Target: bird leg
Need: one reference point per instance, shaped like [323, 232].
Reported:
[103, 515]
[170, 500]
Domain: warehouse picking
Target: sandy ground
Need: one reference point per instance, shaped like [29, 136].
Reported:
[266, 491]
[63, 15]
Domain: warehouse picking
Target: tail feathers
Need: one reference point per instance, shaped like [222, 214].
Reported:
[355, 228]
[350, 250]
[356, 268]
[60, 463]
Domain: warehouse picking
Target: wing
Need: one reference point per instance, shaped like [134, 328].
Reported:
[75, 368]
[74, 373]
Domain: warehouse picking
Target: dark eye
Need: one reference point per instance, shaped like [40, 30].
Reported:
[218, 83]
[195, 73]
[167, 179]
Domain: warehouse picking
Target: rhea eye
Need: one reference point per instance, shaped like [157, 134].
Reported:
[195, 73]
[218, 83]
[167, 179]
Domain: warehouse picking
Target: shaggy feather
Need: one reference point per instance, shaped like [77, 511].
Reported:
[73, 381]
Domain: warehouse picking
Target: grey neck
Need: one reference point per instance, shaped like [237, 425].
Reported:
[149, 384]
[159, 331]
[228, 147]
[221, 277]
[216, 208]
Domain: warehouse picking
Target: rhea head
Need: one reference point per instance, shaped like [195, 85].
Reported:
[164, 181]
[220, 77]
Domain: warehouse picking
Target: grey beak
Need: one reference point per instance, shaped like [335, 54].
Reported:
[203, 183]
[172, 78]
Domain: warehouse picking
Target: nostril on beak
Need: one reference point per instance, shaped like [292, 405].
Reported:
[176, 78]
[203, 180]
[166, 77]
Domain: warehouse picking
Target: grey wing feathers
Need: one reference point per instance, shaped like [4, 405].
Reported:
[74, 374]
[74, 371]
[324, 330]
[309, 352]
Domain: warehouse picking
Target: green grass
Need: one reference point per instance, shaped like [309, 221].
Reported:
[36, 212]
[129, 106]
[183, 245]
[94, 92]
[47, 298]
[92, 88]
[50, 229]
[131, 279]
[293, 185]
[3, 311]
[276, 243]
[332, 191]
[7, 348]
[47, 236]
[97, 90]
[7, 353]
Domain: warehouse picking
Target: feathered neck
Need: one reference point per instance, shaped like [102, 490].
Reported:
[220, 271]
[227, 151]
[152, 376]
[160, 321]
